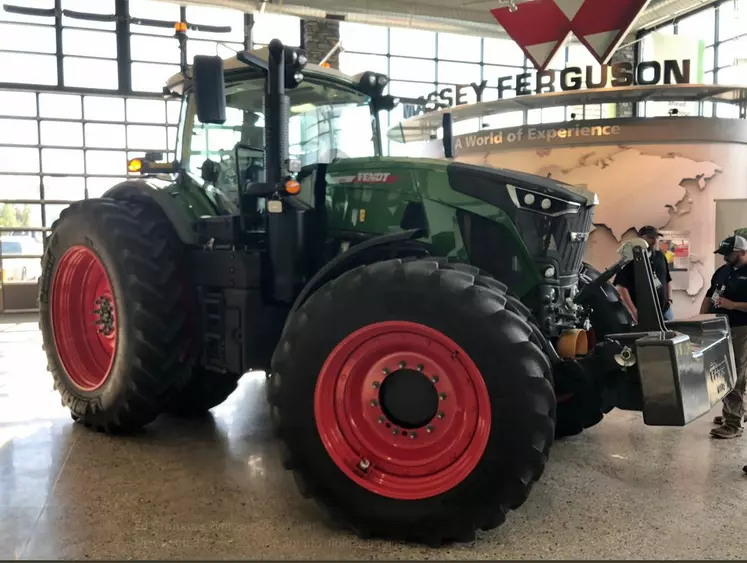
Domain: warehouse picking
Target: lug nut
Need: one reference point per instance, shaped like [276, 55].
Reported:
[429, 429]
[374, 402]
[402, 365]
[421, 367]
[385, 371]
[442, 396]
[434, 379]
[395, 431]
[364, 464]
[440, 415]
[413, 435]
[376, 384]
[382, 420]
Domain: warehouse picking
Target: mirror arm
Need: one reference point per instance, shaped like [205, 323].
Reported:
[260, 189]
[252, 60]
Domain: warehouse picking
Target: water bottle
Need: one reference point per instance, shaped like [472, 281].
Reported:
[716, 297]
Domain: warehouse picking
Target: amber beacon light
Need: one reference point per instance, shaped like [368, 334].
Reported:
[292, 187]
[135, 165]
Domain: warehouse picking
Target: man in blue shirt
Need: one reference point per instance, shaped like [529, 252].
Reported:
[728, 296]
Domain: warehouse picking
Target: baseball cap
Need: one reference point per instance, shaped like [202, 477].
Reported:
[731, 244]
[649, 231]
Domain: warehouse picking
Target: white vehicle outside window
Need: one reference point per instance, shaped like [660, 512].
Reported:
[21, 258]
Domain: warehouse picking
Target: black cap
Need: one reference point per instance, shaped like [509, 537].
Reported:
[649, 231]
[730, 244]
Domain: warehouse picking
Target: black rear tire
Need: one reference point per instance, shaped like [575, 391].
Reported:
[469, 309]
[205, 390]
[138, 250]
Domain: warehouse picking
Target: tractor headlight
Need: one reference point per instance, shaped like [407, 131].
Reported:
[541, 203]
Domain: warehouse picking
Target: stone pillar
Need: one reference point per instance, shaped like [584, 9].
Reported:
[625, 54]
[319, 37]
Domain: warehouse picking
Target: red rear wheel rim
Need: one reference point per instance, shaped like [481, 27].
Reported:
[363, 439]
[84, 318]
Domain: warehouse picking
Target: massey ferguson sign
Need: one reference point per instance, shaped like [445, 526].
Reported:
[540, 27]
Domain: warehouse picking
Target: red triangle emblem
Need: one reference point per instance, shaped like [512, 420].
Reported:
[541, 27]
[602, 24]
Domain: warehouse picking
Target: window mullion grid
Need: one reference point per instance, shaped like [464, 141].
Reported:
[58, 42]
[41, 194]
[85, 147]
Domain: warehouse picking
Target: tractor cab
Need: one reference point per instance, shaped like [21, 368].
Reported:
[330, 115]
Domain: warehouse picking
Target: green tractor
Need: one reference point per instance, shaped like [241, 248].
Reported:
[428, 328]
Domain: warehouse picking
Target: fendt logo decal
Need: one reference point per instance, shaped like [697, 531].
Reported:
[540, 27]
[365, 178]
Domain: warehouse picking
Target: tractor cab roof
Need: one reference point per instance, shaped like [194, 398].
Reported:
[232, 66]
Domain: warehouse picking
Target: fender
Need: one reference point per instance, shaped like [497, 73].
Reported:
[360, 254]
[178, 211]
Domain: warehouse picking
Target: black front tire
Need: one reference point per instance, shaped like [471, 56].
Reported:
[586, 407]
[471, 310]
[609, 313]
[139, 251]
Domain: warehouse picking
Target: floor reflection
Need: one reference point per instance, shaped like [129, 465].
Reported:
[214, 487]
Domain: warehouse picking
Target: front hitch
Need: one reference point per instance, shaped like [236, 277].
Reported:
[672, 372]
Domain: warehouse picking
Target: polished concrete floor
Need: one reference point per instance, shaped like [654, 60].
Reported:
[215, 488]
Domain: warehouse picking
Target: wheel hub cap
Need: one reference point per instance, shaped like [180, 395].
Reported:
[408, 399]
[105, 314]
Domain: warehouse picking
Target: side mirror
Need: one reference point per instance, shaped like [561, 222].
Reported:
[210, 89]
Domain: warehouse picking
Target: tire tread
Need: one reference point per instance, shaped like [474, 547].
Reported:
[153, 292]
[481, 296]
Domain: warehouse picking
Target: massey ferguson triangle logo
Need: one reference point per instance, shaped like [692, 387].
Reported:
[540, 27]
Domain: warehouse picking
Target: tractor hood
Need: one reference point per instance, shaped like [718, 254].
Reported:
[524, 190]
[497, 186]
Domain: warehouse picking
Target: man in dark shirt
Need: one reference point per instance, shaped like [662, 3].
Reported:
[728, 296]
[625, 279]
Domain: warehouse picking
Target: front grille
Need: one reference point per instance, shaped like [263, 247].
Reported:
[491, 248]
[572, 252]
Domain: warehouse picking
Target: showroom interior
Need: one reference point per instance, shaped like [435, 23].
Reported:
[102, 93]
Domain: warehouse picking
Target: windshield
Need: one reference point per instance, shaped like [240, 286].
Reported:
[327, 121]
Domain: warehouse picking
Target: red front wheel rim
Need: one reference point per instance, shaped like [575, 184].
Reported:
[364, 438]
[84, 318]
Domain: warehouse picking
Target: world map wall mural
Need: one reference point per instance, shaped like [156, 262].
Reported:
[671, 186]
